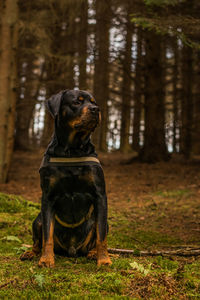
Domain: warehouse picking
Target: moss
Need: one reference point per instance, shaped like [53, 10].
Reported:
[80, 278]
[173, 193]
[15, 204]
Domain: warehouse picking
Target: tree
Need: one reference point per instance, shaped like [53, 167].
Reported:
[126, 85]
[186, 102]
[82, 43]
[101, 75]
[196, 109]
[154, 148]
[138, 92]
[8, 47]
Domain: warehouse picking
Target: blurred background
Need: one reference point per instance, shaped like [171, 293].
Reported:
[140, 59]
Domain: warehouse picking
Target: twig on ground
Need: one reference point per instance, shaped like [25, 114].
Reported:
[179, 252]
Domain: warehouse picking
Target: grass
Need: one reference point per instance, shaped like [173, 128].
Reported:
[79, 278]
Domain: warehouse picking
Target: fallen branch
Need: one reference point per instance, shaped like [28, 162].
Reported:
[179, 252]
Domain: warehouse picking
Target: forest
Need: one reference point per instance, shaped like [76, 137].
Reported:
[140, 59]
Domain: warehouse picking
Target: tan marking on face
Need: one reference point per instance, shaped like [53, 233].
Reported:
[74, 122]
[78, 120]
[64, 113]
[85, 110]
[81, 98]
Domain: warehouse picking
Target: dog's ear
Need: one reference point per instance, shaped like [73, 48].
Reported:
[54, 102]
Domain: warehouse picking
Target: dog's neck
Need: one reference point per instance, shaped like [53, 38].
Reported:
[72, 138]
[69, 142]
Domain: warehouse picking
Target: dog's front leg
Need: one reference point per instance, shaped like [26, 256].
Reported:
[101, 231]
[48, 220]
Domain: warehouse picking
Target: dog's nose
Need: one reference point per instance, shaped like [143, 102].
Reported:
[94, 109]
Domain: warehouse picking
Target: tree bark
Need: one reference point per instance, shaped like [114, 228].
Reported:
[7, 83]
[101, 76]
[196, 127]
[138, 93]
[82, 44]
[187, 102]
[25, 105]
[13, 98]
[154, 148]
[175, 97]
[126, 88]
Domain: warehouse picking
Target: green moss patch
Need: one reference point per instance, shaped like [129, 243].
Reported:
[80, 278]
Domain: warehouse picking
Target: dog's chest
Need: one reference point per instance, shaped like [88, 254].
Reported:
[72, 191]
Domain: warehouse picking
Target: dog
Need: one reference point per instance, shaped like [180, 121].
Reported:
[73, 217]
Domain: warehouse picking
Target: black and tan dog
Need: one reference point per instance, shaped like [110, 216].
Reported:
[73, 217]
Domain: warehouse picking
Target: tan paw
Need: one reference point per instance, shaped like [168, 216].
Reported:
[92, 254]
[46, 261]
[104, 261]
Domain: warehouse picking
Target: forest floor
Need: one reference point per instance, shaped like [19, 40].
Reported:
[151, 207]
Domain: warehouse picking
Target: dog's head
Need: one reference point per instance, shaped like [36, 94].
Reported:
[75, 109]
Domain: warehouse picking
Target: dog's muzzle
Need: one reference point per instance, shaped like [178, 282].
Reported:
[89, 119]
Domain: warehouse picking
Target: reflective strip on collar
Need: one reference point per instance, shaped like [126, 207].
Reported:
[68, 225]
[73, 159]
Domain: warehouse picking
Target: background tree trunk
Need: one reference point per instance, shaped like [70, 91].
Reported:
[7, 83]
[175, 96]
[82, 44]
[138, 93]
[101, 76]
[25, 105]
[196, 110]
[13, 97]
[126, 88]
[186, 102]
[154, 148]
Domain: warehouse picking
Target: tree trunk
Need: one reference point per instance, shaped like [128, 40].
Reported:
[82, 44]
[138, 94]
[25, 106]
[7, 83]
[126, 89]
[69, 48]
[154, 148]
[101, 76]
[13, 99]
[175, 97]
[187, 102]
[196, 110]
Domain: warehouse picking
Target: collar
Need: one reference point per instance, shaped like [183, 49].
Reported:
[74, 160]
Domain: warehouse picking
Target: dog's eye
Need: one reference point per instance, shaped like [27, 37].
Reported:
[92, 100]
[77, 102]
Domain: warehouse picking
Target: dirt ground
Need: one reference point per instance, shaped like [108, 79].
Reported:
[164, 197]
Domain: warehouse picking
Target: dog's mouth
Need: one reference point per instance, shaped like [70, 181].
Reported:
[86, 122]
